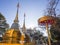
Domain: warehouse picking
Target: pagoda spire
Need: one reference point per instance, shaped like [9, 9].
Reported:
[24, 28]
[16, 18]
[15, 25]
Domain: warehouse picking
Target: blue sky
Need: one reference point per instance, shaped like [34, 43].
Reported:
[33, 9]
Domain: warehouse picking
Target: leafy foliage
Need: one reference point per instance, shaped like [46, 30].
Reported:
[55, 30]
[3, 24]
[1, 16]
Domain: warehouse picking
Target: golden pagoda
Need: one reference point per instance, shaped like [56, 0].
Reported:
[24, 27]
[27, 38]
[14, 35]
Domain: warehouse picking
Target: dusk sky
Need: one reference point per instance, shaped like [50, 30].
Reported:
[33, 9]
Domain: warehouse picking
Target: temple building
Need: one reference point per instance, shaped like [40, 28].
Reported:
[14, 34]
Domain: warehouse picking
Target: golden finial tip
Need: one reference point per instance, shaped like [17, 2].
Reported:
[18, 5]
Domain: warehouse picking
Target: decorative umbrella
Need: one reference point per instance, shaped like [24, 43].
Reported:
[46, 20]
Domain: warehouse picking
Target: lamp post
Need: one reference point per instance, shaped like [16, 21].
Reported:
[46, 20]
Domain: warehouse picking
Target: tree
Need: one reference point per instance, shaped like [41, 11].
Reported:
[55, 31]
[38, 37]
[3, 25]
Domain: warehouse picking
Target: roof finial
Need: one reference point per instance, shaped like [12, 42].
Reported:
[24, 28]
[16, 18]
